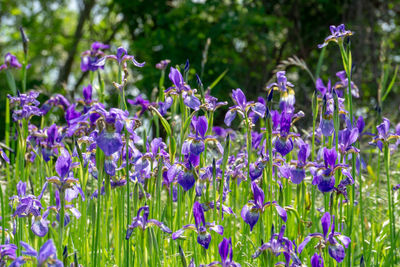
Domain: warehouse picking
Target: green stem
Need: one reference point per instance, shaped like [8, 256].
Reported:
[391, 222]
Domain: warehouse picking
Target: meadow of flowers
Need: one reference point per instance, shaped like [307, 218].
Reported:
[156, 182]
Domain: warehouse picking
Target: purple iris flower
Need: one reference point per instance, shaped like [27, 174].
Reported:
[196, 142]
[54, 101]
[180, 87]
[383, 136]
[324, 175]
[343, 84]
[143, 222]
[297, 172]
[277, 244]
[251, 211]
[283, 140]
[347, 138]
[7, 252]
[256, 168]
[10, 61]
[281, 84]
[47, 255]
[242, 107]
[50, 142]
[200, 227]
[162, 65]
[4, 156]
[336, 250]
[210, 206]
[337, 35]
[90, 57]
[287, 95]
[211, 103]
[226, 254]
[87, 95]
[121, 58]
[140, 101]
[110, 140]
[28, 105]
[317, 260]
[29, 205]
[68, 208]
[65, 182]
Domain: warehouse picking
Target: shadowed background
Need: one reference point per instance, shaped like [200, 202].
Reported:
[247, 38]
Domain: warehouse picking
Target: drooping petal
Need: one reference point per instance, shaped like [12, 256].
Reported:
[160, 225]
[109, 142]
[216, 228]
[186, 180]
[250, 215]
[256, 170]
[46, 251]
[39, 226]
[281, 212]
[192, 101]
[336, 251]
[197, 147]
[326, 183]
[303, 244]
[327, 127]
[297, 175]
[344, 239]
[180, 232]
[230, 116]
[204, 238]
[283, 146]
[259, 109]
[30, 251]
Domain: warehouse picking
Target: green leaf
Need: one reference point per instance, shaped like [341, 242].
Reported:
[164, 122]
[11, 82]
[219, 78]
[391, 84]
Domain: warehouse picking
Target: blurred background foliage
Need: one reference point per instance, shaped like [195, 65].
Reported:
[247, 38]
